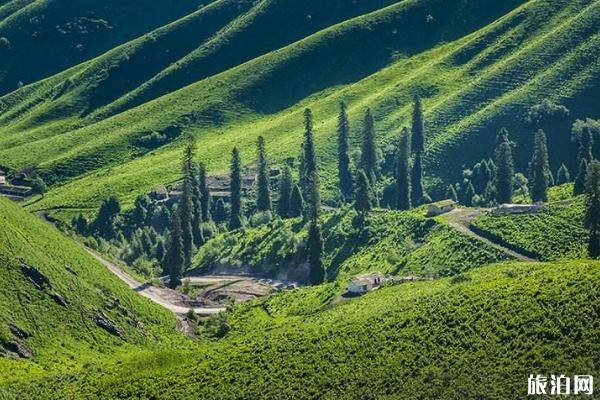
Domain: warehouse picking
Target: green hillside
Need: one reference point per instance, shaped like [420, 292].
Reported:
[59, 308]
[47, 37]
[478, 67]
[479, 338]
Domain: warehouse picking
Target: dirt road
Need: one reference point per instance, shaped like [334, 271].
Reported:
[167, 298]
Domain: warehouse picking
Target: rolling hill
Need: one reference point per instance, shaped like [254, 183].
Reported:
[59, 307]
[235, 72]
[447, 339]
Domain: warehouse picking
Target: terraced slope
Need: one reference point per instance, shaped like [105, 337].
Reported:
[434, 340]
[59, 308]
[49, 36]
[478, 66]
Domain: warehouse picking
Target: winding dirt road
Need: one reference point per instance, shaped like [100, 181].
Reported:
[167, 298]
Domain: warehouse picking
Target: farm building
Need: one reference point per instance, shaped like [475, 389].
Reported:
[2, 177]
[508, 209]
[364, 283]
[440, 207]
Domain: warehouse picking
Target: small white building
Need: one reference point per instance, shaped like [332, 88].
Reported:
[363, 283]
[2, 177]
[440, 207]
[508, 209]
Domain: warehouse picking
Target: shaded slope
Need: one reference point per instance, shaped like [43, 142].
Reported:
[49, 36]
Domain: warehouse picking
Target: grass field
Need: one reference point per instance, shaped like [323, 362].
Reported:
[82, 127]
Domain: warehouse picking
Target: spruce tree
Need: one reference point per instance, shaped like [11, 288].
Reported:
[368, 156]
[263, 200]
[539, 169]
[592, 208]
[204, 192]
[314, 199]
[315, 254]
[418, 126]
[563, 176]
[220, 212]
[344, 173]
[308, 158]
[197, 209]
[235, 217]
[403, 186]
[285, 192]
[362, 199]
[451, 193]
[586, 143]
[173, 262]
[159, 251]
[296, 202]
[579, 186]
[505, 170]
[186, 202]
[469, 193]
[418, 192]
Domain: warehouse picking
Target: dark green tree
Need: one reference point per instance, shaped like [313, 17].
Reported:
[368, 156]
[174, 260]
[469, 192]
[80, 224]
[235, 217]
[186, 201]
[139, 214]
[592, 208]
[451, 193]
[314, 199]
[403, 185]
[362, 199]
[315, 254]
[285, 192]
[308, 158]
[296, 202]
[220, 212]
[344, 173]
[160, 251]
[563, 176]
[539, 169]
[104, 224]
[418, 126]
[204, 192]
[586, 144]
[505, 170]
[263, 199]
[418, 192]
[579, 186]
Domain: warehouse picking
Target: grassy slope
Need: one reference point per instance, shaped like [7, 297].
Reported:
[65, 336]
[391, 242]
[555, 233]
[50, 36]
[442, 340]
[473, 84]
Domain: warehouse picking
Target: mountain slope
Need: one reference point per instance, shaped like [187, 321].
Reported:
[59, 307]
[479, 67]
[479, 337]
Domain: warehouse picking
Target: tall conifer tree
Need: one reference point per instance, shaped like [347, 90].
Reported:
[563, 176]
[186, 201]
[296, 202]
[263, 200]
[403, 185]
[539, 169]
[308, 158]
[579, 185]
[505, 170]
[417, 190]
[315, 254]
[592, 208]
[368, 157]
[362, 199]
[174, 260]
[344, 173]
[285, 192]
[235, 217]
[204, 192]
[586, 144]
[418, 146]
